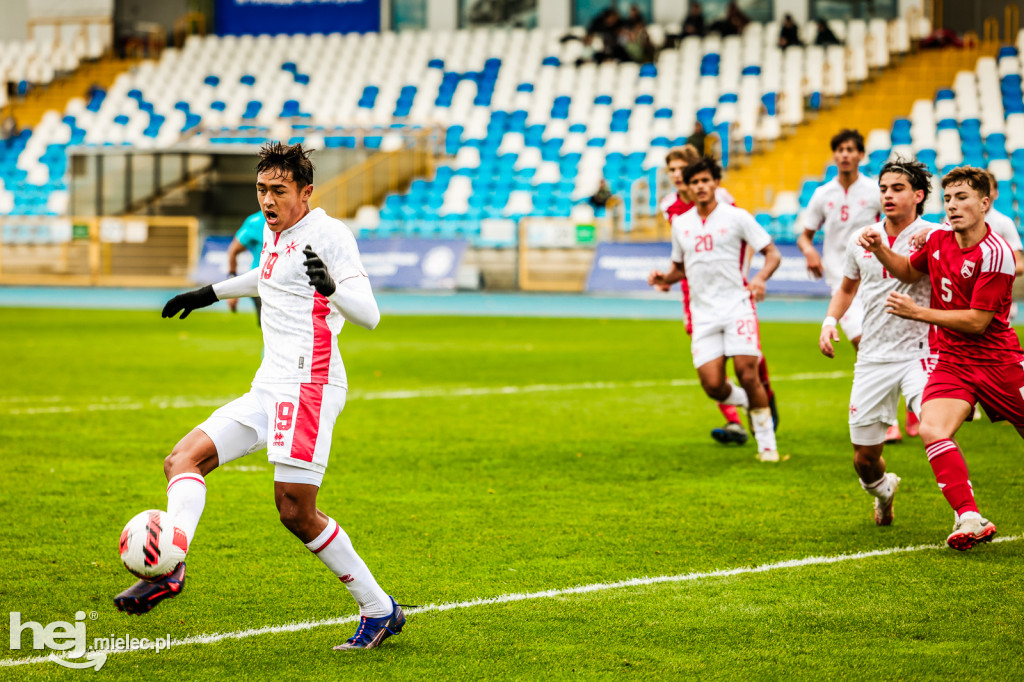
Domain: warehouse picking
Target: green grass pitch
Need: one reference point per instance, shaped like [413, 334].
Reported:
[601, 471]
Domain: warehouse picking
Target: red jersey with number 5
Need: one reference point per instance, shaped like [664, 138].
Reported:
[979, 278]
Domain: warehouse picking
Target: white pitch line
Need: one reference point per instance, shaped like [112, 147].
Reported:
[525, 596]
[181, 402]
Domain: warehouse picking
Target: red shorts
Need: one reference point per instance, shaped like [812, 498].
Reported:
[999, 388]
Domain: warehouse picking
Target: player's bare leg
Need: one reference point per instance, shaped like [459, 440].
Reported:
[940, 420]
[190, 461]
[870, 467]
[762, 373]
[746, 367]
[729, 396]
[381, 616]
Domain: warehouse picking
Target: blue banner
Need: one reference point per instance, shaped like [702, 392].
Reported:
[238, 17]
[623, 267]
[412, 263]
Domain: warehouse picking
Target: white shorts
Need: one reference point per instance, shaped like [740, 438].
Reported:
[295, 422]
[852, 323]
[876, 395]
[731, 337]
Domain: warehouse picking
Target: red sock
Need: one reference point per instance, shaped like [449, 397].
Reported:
[762, 372]
[951, 474]
[730, 413]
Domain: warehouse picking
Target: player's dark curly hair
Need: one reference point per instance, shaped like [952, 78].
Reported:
[848, 135]
[976, 178]
[705, 163]
[916, 172]
[286, 159]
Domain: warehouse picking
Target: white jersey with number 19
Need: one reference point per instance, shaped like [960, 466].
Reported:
[713, 253]
[300, 326]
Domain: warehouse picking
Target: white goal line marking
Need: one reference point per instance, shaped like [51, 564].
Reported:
[182, 402]
[525, 596]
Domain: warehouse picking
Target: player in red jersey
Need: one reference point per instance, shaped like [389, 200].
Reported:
[971, 271]
[676, 204]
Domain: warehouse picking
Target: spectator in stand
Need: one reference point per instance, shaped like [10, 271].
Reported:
[732, 23]
[9, 130]
[693, 25]
[825, 35]
[698, 138]
[789, 34]
[635, 39]
[602, 196]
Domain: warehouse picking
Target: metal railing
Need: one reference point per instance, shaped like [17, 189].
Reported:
[134, 251]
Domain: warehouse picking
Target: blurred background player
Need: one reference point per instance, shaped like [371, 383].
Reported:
[709, 248]
[893, 357]
[676, 204]
[298, 392]
[842, 206]
[248, 238]
[970, 269]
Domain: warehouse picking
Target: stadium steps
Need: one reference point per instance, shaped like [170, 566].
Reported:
[29, 110]
[889, 95]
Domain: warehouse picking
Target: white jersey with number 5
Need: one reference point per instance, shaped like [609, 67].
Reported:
[888, 338]
[713, 253]
[300, 326]
[842, 213]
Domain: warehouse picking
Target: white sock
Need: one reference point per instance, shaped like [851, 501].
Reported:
[881, 488]
[737, 397]
[335, 549]
[186, 497]
[764, 428]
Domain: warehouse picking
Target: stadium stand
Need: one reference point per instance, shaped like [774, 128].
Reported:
[979, 121]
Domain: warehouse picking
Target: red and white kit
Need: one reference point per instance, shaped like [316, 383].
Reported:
[300, 387]
[989, 367]
[713, 253]
[893, 357]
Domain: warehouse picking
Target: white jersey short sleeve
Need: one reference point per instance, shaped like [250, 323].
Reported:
[300, 326]
[1004, 226]
[885, 337]
[841, 213]
[713, 252]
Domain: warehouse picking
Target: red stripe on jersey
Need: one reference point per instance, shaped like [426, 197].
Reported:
[329, 540]
[743, 260]
[187, 477]
[277, 235]
[320, 367]
[684, 284]
[307, 422]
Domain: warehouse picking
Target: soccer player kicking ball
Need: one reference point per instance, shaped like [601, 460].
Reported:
[709, 244]
[676, 204]
[980, 359]
[311, 280]
[893, 356]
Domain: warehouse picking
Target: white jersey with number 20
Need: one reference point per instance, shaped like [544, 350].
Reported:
[713, 253]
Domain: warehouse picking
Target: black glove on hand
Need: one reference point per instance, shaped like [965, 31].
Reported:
[319, 278]
[189, 301]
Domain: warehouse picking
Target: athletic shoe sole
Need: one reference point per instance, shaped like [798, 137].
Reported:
[965, 541]
[729, 437]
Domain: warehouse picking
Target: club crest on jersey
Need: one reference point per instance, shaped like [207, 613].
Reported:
[967, 269]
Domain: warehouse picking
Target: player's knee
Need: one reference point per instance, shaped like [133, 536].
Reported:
[294, 516]
[181, 459]
[931, 431]
[714, 388]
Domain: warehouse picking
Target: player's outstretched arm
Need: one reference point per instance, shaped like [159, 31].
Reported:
[898, 266]
[353, 298]
[190, 300]
[837, 307]
[805, 241]
[772, 258]
[969, 321]
[663, 280]
[238, 287]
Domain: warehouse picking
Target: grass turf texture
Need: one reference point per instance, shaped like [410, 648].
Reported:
[463, 497]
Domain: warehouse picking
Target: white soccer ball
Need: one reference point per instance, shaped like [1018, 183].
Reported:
[152, 546]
